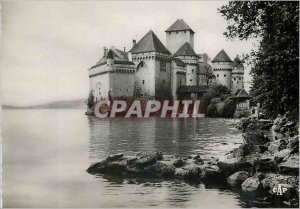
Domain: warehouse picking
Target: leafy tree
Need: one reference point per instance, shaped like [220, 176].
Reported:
[214, 92]
[90, 101]
[276, 62]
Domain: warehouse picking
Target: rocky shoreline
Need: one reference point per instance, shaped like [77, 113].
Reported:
[255, 168]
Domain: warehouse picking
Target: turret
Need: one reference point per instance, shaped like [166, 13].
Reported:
[222, 68]
[110, 60]
[237, 75]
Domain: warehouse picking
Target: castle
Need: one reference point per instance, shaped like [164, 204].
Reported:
[152, 70]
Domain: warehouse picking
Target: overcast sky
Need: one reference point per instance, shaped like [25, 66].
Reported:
[48, 46]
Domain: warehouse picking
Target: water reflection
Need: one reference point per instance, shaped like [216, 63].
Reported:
[209, 137]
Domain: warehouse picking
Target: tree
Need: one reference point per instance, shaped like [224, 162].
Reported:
[276, 62]
[90, 102]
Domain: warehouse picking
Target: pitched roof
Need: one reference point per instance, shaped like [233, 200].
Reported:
[179, 25]
[149, 43]
[179, 62]
[185, 50]
[221, 57]
[242, 94]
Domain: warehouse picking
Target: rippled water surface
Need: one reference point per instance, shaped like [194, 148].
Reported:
[46, 153]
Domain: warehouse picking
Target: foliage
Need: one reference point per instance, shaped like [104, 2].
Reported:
[214, 92]
[276, 62]
[217, 102]
[241, 114]
[212, 110]
[227, 108]
[90, 102]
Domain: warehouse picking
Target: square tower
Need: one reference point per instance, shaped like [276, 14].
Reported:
[178, 34]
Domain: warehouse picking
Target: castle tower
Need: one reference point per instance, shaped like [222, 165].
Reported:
[188, 56]
[237, 75]
[153, 67]
[222, 69]
[110, 60]
[178, 34]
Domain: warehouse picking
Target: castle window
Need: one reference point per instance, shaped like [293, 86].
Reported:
[163, 81]
[191, 79]
[176, 32]
[234, 78]
[142, 64]
[143, 81]
[239, 78]
[163, 66]
[192, 70]
[217, 75]
[224, 75]
[184, 31]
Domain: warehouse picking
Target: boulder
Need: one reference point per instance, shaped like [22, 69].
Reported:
[293, 144]
[114, 157]
[145, 159]
[211, 173]
[279, 156]
[178, 163]
[266, 163]
[236, 179]
[290, 166]
[251, 185]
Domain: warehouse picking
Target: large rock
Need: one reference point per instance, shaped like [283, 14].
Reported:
[266, 163]
[290, 166]
[145, 159]
[294, 144]
[280, 156]
[236, 179]
[211, 173]
[251, 185]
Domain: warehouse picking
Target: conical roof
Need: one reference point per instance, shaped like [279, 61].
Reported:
[237, 62]
[185, 50]
[242, 94]
[110, 54]
[221, 57]
[149, 43]
[179, 25]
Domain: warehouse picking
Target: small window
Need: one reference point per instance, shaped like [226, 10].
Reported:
[217, 75]
[143, 81]
[239, 78]
[192, 70]
[234, 78]
[176, 32]
[224, 75]
[163, 81]
[142, 64]
[191, 79]
[142, 95]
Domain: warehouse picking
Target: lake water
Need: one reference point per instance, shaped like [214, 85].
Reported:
[46, 154]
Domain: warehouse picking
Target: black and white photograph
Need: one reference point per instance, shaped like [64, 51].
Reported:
[149, 104]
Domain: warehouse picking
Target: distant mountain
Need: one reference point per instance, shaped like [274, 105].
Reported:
[71, 104]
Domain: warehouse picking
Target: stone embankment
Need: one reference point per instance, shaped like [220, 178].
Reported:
[261, 167]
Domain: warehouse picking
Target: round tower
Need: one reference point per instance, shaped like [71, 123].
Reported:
[237, 77]
[222, 69]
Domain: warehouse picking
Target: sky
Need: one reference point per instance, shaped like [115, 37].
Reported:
[48, 46]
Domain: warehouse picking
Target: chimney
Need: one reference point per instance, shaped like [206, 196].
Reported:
[104, 51]
[133, 42]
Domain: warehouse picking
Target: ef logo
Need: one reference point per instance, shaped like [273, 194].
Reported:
[280, 189]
